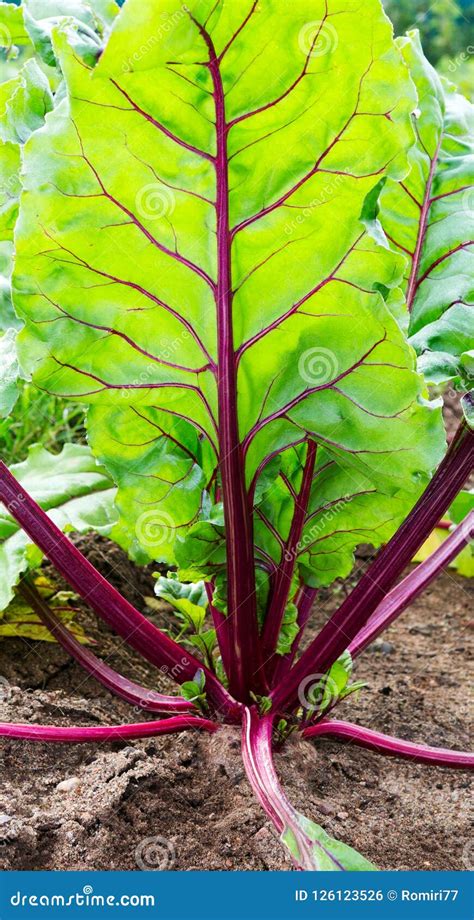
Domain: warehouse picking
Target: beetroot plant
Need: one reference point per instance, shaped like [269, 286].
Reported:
[239, 225]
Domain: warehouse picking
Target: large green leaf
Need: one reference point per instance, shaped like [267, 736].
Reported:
[430, 219]
[74, 490]
[116, 279]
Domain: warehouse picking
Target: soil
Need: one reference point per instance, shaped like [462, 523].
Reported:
[184, 802]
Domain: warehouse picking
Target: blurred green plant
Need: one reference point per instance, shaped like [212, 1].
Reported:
[446, 26]
[39, 418]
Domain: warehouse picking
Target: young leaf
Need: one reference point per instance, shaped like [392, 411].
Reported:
[190, 600]
[327, 853]
[289, 630]
[430, 219]
[79, 496]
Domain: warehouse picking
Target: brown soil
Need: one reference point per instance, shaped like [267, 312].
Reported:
[183, 802]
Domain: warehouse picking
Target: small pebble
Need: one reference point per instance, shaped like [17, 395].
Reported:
[68, 785]
[4, 819]
[326, 809]
[342, 815]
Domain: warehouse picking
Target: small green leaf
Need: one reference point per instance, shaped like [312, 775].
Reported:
[189, 600]
[289, 630]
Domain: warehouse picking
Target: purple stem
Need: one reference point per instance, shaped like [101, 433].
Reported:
[400, 597]
[262, 776]
[357, 608]
[245, 660]
[279, 600]
[79, 734]
[392, 747]
[146, 699]
[117, 612]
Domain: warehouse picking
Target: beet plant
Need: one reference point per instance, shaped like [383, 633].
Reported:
[237, 223]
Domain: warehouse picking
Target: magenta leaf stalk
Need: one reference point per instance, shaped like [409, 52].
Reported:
[309, 845]
[133, 693]
[370, 591]
[245, 672]
[391, 747]
[400, 597]
[104, 599]
[83, 734]
[261, 773]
